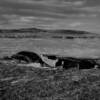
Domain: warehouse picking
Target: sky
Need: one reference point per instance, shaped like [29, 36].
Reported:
[51, 14]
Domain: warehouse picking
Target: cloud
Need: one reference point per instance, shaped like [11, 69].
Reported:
[23, 21]
[18, 20]
[75, 24]
[50, 2]
[44, 22]
[91, 9]
[74, 3]
[79, 3]
[5, 9]
[58, 13]
[62, 9]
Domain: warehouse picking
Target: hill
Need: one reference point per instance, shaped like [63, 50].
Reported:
[45, 33]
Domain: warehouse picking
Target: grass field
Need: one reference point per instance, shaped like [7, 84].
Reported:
[29, 83]
[65, 47]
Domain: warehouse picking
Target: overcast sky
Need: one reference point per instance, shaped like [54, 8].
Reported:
[52, 14]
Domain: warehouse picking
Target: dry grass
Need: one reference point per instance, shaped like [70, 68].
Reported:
[28, 83]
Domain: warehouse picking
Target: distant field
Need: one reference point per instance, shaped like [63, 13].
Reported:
[70, 47]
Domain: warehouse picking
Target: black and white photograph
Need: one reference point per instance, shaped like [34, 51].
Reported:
[49, 49]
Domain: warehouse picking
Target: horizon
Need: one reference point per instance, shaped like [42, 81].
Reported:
[48, 29]
[42, 29]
